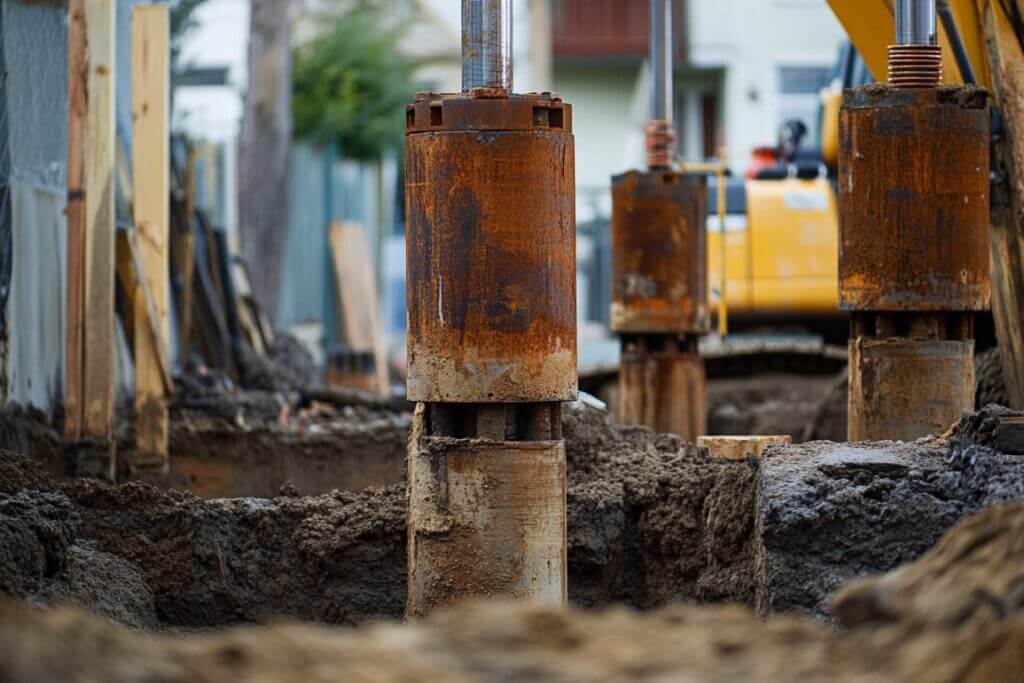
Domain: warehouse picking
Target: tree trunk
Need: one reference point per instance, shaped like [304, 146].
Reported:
[263, 150]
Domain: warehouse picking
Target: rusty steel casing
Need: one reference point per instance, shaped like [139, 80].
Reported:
[490, 248]
[664, 390]
[914, 200]
[904, 389]
[659, 253]
[486, 519]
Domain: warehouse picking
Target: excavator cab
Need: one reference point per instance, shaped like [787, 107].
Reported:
[782, 231]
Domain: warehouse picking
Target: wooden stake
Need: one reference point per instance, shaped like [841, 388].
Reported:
[89, 366]
[741, 447]
[357, 291]
[1007, 236]
[151, 165]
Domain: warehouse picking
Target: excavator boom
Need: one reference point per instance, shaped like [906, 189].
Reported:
[870, 26]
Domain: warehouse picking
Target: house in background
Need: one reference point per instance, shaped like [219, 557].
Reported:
[743, 67]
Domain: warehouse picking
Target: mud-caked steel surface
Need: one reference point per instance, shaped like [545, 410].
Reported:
[914, 200]
[491, 248]
[902, 389]
[664, 390]
[659, 253]
[486, 519]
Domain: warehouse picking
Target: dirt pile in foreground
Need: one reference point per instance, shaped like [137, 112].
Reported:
[902, 630]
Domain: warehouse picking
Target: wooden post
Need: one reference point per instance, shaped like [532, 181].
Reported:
[151, 167]
[1006, 61]
[357, 291]
[89, 365]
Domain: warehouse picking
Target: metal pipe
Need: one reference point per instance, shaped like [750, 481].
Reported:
[963, 61]
[915, 22]
[486, 44]
[661, 60]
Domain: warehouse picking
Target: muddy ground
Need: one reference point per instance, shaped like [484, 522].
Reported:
[770, 404]
[651, 521]
[957, 614]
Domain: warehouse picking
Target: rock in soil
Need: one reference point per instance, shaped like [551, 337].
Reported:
[828, 513]
[516, 643]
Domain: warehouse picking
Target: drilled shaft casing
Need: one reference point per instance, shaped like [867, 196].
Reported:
[490, 248]
[914, 200]
[659, 253]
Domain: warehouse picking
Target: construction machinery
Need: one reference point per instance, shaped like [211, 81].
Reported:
[782, 224]
[982, 42]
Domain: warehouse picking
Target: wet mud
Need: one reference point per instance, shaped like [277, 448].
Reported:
[651, 521]
[956, 614]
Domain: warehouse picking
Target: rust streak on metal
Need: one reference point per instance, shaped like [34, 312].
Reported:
[659, 253]
[491, 260]
[914, 200]
[487, 518]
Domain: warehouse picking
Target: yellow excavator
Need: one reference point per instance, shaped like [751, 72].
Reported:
[782, 224]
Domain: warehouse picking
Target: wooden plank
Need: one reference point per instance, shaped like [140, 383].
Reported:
[129, 269]
[151, 163]
[91, 152]
[741, 447]
[78, 60]
[1007, 248]
[357, 292]
[1009, 435]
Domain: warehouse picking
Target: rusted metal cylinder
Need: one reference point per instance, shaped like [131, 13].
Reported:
[490, 248]
[663, 388]
[914, 200]
[904, 389]
[487, 518]
[659, 253]
[913, 254]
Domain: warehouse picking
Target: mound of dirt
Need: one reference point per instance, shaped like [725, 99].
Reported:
[975, 572]
[651, 521]
[988, 372]
[828, 513]
[769, 404]
[517, 642]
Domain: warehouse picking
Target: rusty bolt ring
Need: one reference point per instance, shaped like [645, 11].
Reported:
[484, 109]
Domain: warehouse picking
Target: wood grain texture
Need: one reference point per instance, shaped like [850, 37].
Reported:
[91, 142]
[78, 64]
[151, 166]
[1007, 66]
[357, 292]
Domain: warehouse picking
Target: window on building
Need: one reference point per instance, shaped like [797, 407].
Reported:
[799, 89]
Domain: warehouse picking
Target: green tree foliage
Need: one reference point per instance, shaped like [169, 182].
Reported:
[182, 21]
[350, 86]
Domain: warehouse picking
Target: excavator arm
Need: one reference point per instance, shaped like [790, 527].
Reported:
[871, 26]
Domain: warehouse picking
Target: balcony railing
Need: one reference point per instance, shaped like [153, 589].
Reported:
[607, 28]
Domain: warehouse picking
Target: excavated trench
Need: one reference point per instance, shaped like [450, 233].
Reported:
[651, 521]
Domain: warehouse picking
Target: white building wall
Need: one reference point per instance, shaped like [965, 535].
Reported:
[751, 40]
